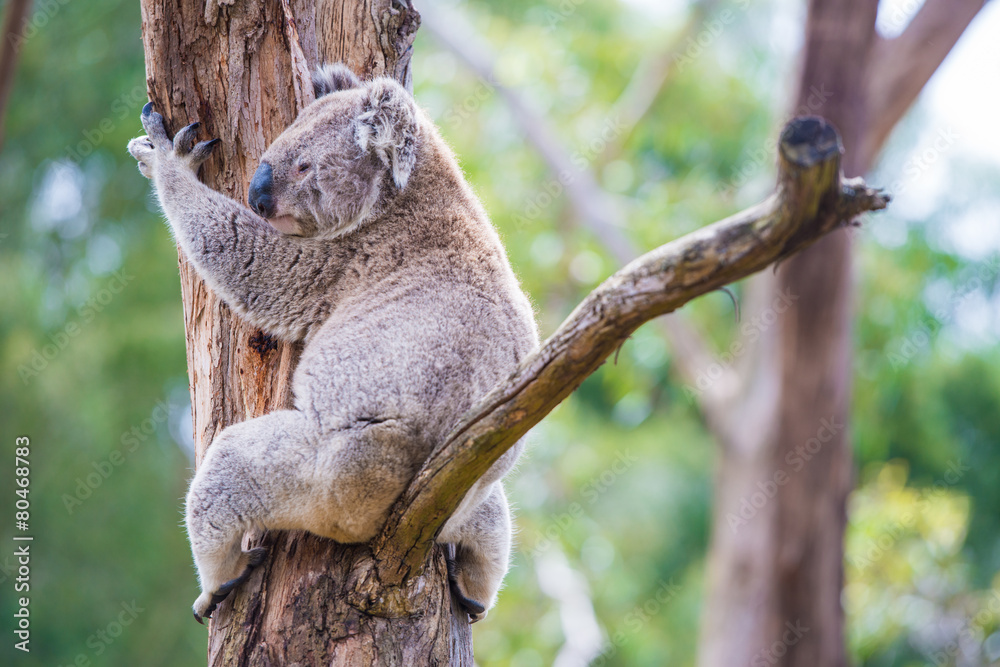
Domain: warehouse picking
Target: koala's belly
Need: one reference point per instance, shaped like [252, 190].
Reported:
[423, 356]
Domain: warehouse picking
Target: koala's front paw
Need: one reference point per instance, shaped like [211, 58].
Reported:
[155, 147]
[209, 600]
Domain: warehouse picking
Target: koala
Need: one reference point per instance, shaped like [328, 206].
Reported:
[362, 239]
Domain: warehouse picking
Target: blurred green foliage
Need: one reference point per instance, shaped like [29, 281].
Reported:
[614, 496]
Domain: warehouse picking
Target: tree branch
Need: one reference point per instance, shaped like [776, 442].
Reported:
[900, 67]
[592, 207]
[811, 199]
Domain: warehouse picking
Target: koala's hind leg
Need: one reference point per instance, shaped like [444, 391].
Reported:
[256, 473]
[482, 544]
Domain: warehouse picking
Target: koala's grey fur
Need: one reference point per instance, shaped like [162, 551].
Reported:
[388, 267]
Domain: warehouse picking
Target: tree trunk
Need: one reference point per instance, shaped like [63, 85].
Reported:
[816, 364]
[776, 562]
[10, 49]
[242, 69]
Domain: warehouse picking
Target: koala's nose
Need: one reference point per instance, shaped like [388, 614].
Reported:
[260, 198]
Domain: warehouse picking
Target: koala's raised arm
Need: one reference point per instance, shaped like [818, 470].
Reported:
[280, 283]
[324, 176]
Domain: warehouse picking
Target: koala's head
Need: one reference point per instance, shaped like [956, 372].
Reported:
[342, 159]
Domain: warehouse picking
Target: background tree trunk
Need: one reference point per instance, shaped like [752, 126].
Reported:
[10, 48]
[812, 443]
[775, 567]
[242, 69]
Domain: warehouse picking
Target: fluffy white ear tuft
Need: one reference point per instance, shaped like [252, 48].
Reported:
[388, 128]
[328, 79]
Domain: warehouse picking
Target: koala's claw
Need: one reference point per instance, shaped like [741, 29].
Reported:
[186, 149]
[256, 555]
[206, 603]
[184, 140]
[203, 150]
[152, 122]
[476, 610]
[213, 601]
[156, 145]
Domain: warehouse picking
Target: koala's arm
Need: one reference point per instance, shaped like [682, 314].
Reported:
[284, 285]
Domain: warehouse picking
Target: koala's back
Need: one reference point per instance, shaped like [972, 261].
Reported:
[438, 318]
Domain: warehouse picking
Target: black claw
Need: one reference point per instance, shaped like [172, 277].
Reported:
[203, 150]
[470, 606]
[225, 589]
[146, 110]
[185, 139]
[211, 607]
[256, 555]
[195, 125]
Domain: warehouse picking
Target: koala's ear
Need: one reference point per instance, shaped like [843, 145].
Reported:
[388, 127]
[331, 78]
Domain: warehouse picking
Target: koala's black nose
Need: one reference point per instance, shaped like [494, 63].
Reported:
[260, 198]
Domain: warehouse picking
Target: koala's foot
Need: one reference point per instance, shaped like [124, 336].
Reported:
[482, 551]
[462, 588]
[206, 603]
[154, 148]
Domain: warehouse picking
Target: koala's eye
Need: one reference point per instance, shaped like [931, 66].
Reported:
[304, 167]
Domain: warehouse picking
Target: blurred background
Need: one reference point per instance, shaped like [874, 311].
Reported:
[614, 496]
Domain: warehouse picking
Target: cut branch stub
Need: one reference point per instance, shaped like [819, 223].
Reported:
[809, 155]
[811, 199]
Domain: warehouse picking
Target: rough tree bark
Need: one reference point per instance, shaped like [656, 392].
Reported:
[242, 70]
[776, 560]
